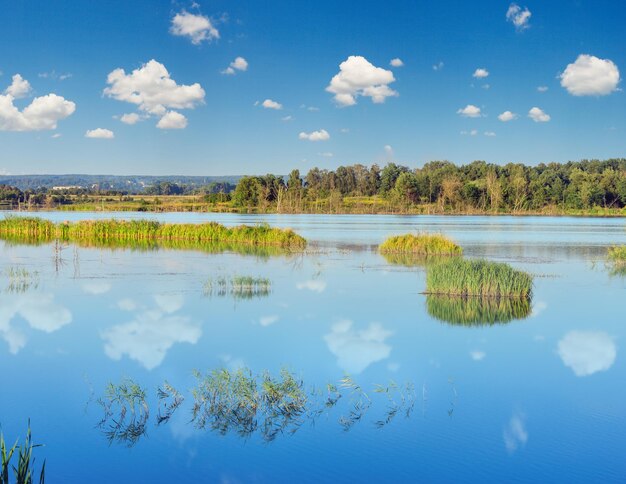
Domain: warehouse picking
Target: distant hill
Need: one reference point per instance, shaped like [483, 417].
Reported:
[130, 184]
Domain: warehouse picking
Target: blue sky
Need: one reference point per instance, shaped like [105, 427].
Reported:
[292, 51]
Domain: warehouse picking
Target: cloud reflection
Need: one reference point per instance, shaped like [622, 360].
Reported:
[515, 434]
[587, 352]
[312, 285]
[357, 349]
[148, 337]
[38, 310]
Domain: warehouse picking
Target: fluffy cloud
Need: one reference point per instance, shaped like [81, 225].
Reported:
[239, 64]
[197, 27]
[42, 113]
[19, 87]
[320, 135]
[172, 120]
[590, 76]
[469, 111]
[518, 16]
[130, 118]
[154, 92]
[507, 116]
[473, 132]
[515, 433]
[269, 104]
[358, 77]
[268, 320]
[397, 62]
[357, 349]
[480, 73]
[587, 352]
[100, 133]
[538, 115]
[542, 88]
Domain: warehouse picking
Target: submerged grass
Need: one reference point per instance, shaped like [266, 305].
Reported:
[477, 311]
[422, 244]
[460, 277]
[104, 232]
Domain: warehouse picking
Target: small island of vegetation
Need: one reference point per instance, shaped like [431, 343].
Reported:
[420, 244]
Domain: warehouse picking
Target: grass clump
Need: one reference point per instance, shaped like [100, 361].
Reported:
[459, 277]
[239, 287]
[422, 244]
[24, 472]
[477, 311]
[141, 231]
[617, 254]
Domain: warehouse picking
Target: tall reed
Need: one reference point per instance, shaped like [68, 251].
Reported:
[24, 473]
[460, 277]
[142, 231]
[422, 244]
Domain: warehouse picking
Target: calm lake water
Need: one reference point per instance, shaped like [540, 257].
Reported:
[539, 398]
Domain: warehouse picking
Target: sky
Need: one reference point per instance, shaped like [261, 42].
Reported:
[248, 87]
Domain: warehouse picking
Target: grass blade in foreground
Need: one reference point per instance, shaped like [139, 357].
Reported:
[422, 244]
[459, 277]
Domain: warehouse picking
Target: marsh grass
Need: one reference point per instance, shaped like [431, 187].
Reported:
[460, 277]
[239, 287]
[24, 472]
[145, 232]
[412, 260]
[422, 244]
[617, 259]
[125, 412]
[477, 311]
[21, 279]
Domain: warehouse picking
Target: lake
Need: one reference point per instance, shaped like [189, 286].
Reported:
[398, 387]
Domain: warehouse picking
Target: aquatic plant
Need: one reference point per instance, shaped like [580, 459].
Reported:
[459, 277]
[477, 311]
[141, 231]
[21, 279]
[125, 412]
[24, 473]
[423, 244]
[169, 401]
[239, 287]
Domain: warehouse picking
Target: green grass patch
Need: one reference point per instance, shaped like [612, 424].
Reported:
[460, 277]
[617, 254]
[422, 244]
[477, 311]
[138, 232]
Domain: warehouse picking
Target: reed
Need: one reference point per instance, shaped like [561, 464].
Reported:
[477, 311]
[617, 254]
[104, 232]
[460, 277]
[24, 472]
[422, 244]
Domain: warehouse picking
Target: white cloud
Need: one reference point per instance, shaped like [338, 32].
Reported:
[491, 134]
[397, 62]
[507, 116]
[438, 66]
[127, 304]
[518, 16]
[357, 349]
[56, 135]
[172, 120]
[169, 303]
[485, 86]
[287, 118]
[239, 64]
[130, 118]
[472, 132]
[268, 320]
[152, 90]
[96, 288]
[590, 76]
[538, 115]
[515, 433]
[358, 77]
[314, 285]
[100, 133]
[470, 111]
[320, 135]
[19, 87]
[542, 88]
[477, 355]
[270, 104]
[480, 73]
[43, 113]
[197, 27]
[326, 154]
[54, 76]
[388, 150]
[587, 352]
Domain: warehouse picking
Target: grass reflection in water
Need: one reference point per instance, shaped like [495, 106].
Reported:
[477, 311]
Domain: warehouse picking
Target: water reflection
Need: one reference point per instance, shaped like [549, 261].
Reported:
[477, 311]
[40, 311]
[357, 349]
[515, 434]
[412, 260]
[125, 412]
[152, 332]
[587, 352]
